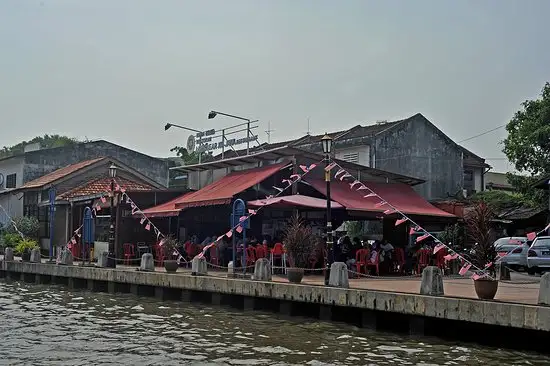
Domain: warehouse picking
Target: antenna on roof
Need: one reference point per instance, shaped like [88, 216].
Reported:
[308, 131]
[268, 132]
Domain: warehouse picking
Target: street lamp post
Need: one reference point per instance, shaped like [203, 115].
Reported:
[111, 263]
[213, 114]
[327, 149]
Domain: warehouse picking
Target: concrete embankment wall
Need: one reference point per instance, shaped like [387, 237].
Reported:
[456, 318]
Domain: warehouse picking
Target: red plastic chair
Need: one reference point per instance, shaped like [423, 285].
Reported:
[277, 253]
[214, 259]
[361, 260]
[440, 259]
[400, 260]
[260, 251]
[375, 264]
[129, 253]
[423, 259]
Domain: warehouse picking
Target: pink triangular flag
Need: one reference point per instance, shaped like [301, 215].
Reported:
[239, 229]
[79, 235]
[355, 182]
[142, 220]
[502, 254]
[488, 264]
[340, 171]
[103, 199]
[295, 176]
[97, 207]
[117, 188]
[362, 187]
[422, 237]
[229, 234]
[329, 167]
[475, 277]
[400, 221]
[464, 269]
[412, 230]
[220, 238]
[311, 167]
[380, 204]
[531, 236]
[438, 247]
[252, 212]
[450, 257]
[370, 195]
[389, 211]
[242, 218]
[287, 181]
[278, 189]
[128, 200]
[123, 190]
[304, 168]
[347, 175]
[148, 227]
[73, 240]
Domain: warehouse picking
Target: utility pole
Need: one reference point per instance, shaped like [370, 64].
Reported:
[268, 132]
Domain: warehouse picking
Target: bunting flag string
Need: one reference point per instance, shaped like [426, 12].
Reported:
[415, 228]
[12, 222]
[329, 167]
[239, 228]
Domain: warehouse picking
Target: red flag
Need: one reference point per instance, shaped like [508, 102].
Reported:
[438, 247]
[412, 231]
[531, 236]
[464, 269]
[304, 168]
[422, 237]
[400, 221]
[450, 257]
[103, 199]
[252, 212]
[239, 229]
[148, 227]
[229, 234]
[475, 277]
[142, 220]
[329, 167]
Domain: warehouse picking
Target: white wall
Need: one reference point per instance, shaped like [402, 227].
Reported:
[363, 154]
[12, 205]
[478, 173]
[12, 166]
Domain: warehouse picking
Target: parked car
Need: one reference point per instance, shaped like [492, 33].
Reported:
[516, 247]
[538, 256]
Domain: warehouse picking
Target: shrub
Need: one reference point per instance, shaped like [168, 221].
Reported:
[27, 225]
[300, 243]
[25, 244]
[11, 240]
[478, 222]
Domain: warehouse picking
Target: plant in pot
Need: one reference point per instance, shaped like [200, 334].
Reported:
[300, 243]
[478, 222]
[169, 245]
[24, 248]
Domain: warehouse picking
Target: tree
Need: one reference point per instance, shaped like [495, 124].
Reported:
[191, 158]
[45, 142]
[528, 145]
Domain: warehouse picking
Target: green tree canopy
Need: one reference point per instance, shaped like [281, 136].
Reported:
[46, 142]
[191, 158]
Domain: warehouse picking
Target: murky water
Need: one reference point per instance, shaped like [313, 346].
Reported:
[47, 325]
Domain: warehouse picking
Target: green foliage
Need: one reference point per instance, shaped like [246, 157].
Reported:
[27, 225]
[191, 158]
[46, 142]
[498, 200]
[11, 239]
[354, 229]
[452, 234]
[300, 243]
[169, 244]
[25, 244]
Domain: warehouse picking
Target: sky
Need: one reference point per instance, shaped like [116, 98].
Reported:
[120, 69]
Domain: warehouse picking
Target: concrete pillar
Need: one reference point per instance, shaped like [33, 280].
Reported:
[159, 293]
[325, 313]
[35, 256]
[147, 263]
[70, 283]
[102, 259]
[368, 319]
[8, 255]
[90, 284]
[199, 267]
[37, 279]
[262, 270]
[66, 258]
[338, 275]
[416, 325]
[248, 303]
[432, 282]
[134, 289]
[285, 307]
[503, 272]
[230, 270]
[216, 298]
[111, 287]
[544, 290]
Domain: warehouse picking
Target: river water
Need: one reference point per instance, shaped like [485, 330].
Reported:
[48, 325]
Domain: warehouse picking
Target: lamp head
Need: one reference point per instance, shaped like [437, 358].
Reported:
[327, 143]
[212, 114]
[167, 126]
[112, 171]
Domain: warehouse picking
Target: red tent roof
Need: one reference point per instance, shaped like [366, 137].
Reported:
[294, 201]
[222, 191]
[399, 195]
[166, 209]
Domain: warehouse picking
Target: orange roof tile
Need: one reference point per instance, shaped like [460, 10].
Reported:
[103, 185]
[58, 174]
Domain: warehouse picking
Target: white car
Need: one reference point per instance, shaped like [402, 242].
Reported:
[513, 251]
[538, 257]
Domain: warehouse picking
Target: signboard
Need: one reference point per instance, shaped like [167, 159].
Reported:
[209, 146]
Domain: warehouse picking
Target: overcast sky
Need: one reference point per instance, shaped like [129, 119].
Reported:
[118, 70]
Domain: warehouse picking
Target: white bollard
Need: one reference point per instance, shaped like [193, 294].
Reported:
[262, 270]
[432, 281]
[338, 275]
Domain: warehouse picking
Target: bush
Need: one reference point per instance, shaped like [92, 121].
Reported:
[11, 240]
[27, 225]
[300, 243]
[25, 244]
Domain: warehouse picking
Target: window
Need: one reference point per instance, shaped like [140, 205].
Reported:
[30, 204]
[11, 180]
[351, 157]
[44, 221]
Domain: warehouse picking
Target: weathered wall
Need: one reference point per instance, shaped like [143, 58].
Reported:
[13, 206]
[13, 165]
[39, 163]
[416, 148]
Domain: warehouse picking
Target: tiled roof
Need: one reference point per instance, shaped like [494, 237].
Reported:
[58, 174]
[103, 185]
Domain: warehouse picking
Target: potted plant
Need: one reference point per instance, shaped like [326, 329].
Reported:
[478, 221]
[300, 243]
[169, 245]
[24, 249]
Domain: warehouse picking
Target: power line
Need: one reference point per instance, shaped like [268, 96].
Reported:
[481, 134]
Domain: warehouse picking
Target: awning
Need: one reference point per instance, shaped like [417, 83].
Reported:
[296, 200]
[167, 209]
[399, 195]
[222, 191]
